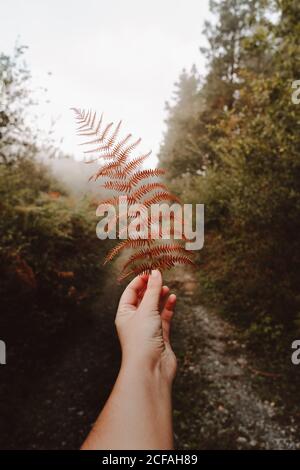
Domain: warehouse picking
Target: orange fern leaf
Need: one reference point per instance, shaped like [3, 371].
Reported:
[155, 251]
[143, 174]
[124, 174]
[159, 197]
[117, 186]
[146, 189]
[130, 243]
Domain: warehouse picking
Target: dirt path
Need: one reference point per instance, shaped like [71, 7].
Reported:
[217, 400]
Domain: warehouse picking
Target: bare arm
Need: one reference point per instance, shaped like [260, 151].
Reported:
[138, 413]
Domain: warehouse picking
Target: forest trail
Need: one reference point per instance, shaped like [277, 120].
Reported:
[220, 401]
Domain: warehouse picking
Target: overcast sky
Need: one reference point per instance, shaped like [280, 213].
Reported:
[117, 56]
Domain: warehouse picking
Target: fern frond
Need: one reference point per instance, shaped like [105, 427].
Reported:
[88, 127]
[155, 251]
[144, 268]
[143, 174]
[79, 115]
[115, 170]
[164, 262]
[114, 251]
[130, 243]
[124, 174]
[105, 170]
[85, 120]
[146, 189]
[91, 124]
[123, 154]
[119, 146]
[100, 139]
[93, 133]
[159, 197]
[168, 261]
[110, 140]
[114, 201]
[120, 186]
[135, 164]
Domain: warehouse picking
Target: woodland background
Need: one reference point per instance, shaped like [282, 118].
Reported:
[233, 143]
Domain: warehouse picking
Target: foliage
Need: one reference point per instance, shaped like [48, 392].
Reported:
[247, 133]
[17, 139]
[49, 251]
[124, 174]
[48, 245]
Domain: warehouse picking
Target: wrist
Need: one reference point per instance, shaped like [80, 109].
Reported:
[147, 371]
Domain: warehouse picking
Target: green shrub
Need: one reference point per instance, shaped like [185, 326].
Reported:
[50, 256]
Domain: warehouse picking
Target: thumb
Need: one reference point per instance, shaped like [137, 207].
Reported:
[152, 295]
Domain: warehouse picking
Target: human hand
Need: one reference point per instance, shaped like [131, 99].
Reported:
[143, 324]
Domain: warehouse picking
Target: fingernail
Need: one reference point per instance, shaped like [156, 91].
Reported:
[155, 273]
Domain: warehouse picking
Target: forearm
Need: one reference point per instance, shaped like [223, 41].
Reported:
[138, 413]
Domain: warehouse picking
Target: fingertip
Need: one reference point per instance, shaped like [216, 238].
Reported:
[153, 292]
[131, 292]
[155, 279]
[164, 290]
[171, 302]
[155, 274]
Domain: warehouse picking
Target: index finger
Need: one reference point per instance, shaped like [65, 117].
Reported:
[130, 294]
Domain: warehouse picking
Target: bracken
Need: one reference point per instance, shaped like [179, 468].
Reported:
[123, 173]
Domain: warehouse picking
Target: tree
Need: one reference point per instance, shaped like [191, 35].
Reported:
[177, 151]
[237, 38]
[17, 139]
[247, 130]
